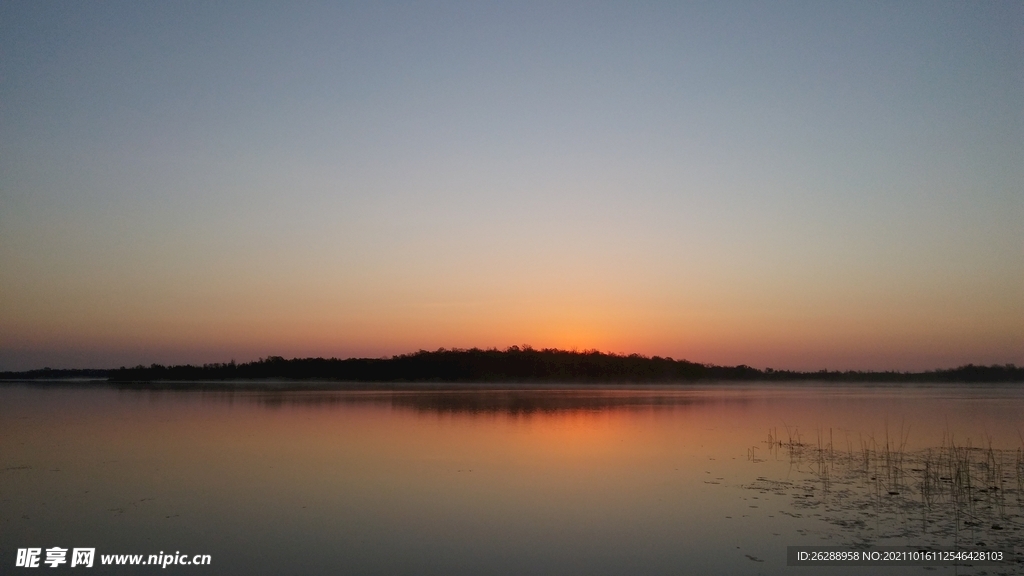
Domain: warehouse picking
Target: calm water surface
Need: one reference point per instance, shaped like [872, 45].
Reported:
[487, 480]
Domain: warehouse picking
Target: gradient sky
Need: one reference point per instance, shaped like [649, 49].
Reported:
[793, 185]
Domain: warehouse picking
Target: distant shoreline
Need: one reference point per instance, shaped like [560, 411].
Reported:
[513, 365]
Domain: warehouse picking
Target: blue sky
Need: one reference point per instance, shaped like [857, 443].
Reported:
[797, 185]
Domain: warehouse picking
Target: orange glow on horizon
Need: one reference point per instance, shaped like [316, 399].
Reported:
[246, 329]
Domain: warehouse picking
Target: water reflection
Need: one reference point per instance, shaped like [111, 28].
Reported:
[496, 480]
[483, 402]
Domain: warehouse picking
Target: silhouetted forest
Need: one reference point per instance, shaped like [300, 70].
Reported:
[515, 364]
[57, 374]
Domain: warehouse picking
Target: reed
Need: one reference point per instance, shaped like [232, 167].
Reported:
[1019, 469]
[956, 489]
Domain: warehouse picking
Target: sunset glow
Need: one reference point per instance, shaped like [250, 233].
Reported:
[806, 186]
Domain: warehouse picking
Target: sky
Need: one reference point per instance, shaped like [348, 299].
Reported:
[797, 185]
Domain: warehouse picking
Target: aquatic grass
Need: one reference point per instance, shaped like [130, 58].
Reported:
[953, 493]
[928, 482]
[1018, 469]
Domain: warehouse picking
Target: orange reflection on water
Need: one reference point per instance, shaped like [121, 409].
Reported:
[453, 478]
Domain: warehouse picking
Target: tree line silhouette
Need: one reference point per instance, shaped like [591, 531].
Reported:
[514, 364]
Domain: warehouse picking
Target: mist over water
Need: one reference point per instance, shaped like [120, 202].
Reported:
[493, 480]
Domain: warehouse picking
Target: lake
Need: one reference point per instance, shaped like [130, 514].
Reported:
[495, 479]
